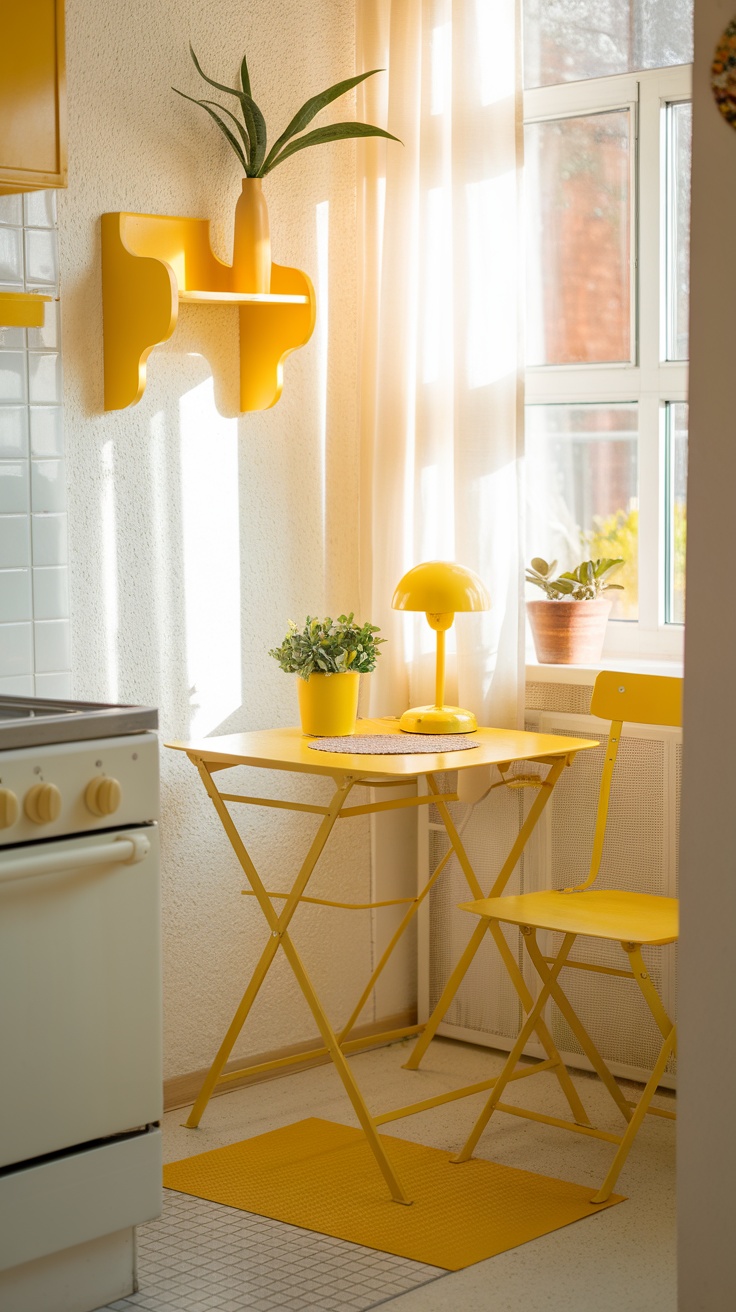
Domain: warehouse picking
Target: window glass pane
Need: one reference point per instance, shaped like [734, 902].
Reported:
[566, 40]
[679, 137]
[578, 239]
[582, 490]
[676, 513]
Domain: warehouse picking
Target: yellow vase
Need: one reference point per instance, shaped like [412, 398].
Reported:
[252, 240]
[328, 704]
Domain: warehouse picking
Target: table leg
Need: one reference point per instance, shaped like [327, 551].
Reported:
[276, 923]
[476, 938]
[236, 1025]
[280, 938]
[401, 928]
[340, 1062]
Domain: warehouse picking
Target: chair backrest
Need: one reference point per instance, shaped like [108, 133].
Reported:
[640, 699]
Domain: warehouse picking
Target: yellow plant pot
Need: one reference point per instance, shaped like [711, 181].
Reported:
[569, 632]
[252, 240]
[328, 704]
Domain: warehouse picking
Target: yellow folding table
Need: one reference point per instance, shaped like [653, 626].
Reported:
[289, 749]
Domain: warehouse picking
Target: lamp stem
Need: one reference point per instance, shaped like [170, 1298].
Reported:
[439, 695]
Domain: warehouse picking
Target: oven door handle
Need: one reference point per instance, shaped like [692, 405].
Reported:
[127, 849]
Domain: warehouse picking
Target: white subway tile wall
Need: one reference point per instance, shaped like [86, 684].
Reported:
[16, 651]
[15, 541]
[34, 590]
[22, 686]
[52, 646]
[13, 426]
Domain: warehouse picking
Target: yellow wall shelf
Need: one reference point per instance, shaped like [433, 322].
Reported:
[22, 309]
[151, 263]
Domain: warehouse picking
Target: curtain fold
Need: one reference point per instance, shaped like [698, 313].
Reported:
[441, 416]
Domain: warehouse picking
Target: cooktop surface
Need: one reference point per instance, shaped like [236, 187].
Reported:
[37, 721]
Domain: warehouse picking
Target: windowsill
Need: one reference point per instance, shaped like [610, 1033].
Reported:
[537, 673]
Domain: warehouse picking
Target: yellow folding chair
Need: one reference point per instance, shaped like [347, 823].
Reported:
[632, 919]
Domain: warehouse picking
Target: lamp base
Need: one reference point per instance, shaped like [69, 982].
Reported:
[438, 719]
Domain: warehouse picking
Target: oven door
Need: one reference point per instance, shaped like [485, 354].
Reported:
[80, 990]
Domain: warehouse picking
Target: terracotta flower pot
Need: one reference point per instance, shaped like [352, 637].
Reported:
[252, 241]
[328, 704]
[569, 632]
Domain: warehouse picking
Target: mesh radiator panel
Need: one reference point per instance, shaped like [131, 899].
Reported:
[572, 698]
[486, 1001]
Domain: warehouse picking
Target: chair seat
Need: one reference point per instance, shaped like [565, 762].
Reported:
[598, 913]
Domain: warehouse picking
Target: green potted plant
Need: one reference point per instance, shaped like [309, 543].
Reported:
[570, 625]
[323, 649]
[247, 136]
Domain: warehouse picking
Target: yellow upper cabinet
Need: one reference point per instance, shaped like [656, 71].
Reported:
[32, 95]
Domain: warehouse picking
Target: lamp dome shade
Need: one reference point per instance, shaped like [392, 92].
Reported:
[440, 587]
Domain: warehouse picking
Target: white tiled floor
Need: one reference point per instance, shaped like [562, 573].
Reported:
[205, 1258]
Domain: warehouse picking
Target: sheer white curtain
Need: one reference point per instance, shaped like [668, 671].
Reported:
[441, 398]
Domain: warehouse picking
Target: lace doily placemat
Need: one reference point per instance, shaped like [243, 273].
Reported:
[393, 744]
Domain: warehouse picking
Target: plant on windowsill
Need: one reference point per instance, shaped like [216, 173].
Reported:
[569, 627]
[249, 141]
[328, 706]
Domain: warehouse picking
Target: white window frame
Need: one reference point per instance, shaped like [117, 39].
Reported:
[649, 379]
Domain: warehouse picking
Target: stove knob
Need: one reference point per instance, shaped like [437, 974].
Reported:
[8, 808]
[103, 795]
[42, 804]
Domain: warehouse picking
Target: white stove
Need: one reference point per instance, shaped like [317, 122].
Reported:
[80, 1000]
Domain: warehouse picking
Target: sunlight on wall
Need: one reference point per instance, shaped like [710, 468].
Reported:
[162, 611]
[108, 523]
[211, 552]
[323, 319]
[491, 341]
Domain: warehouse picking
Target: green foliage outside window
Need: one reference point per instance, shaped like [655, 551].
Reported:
[618, 535]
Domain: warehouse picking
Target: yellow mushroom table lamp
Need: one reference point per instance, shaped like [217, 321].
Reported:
[440, 588]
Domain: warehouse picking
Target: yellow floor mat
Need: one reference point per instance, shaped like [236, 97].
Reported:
[322, 1176]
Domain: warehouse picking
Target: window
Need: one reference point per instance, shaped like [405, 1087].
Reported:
[607, 164]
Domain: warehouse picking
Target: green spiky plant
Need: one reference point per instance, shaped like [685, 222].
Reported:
[250, 143]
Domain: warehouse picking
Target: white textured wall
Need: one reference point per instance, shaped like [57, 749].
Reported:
[195, 534]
